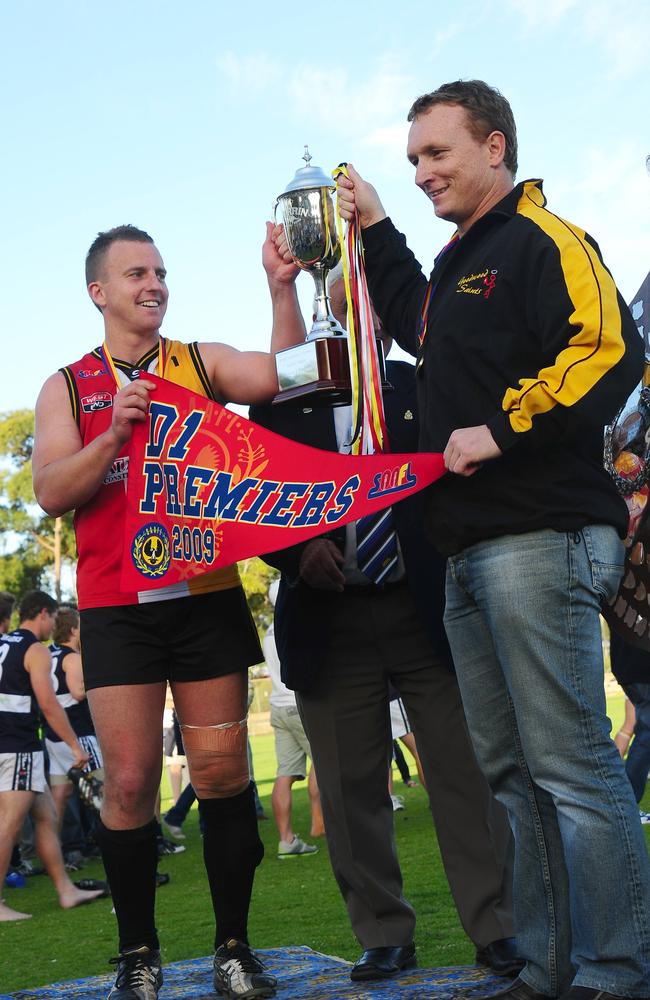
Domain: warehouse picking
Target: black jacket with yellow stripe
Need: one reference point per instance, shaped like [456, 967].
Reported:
[527, 333]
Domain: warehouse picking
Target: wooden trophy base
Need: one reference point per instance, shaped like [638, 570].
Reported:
[316, 372]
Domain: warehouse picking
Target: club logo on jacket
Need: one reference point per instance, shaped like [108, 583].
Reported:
[91, 373]
[479, 283]
[150, 550]
[98, 401]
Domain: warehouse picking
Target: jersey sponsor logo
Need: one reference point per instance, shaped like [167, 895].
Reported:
[97, 401]
[91, 372]
[118, 471]
[478, 283]
[150, 550]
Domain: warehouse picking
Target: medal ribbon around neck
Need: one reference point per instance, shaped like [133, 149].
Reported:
[431, 288]
[369, 434]
[107, 358]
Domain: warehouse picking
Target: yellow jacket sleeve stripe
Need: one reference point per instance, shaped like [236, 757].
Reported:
[597, 344]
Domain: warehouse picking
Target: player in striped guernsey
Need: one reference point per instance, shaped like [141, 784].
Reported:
[26, 687]
[67, 677]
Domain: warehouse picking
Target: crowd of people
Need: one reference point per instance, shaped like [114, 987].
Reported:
[480, 610]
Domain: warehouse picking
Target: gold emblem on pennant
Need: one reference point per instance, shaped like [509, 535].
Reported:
[150, 550]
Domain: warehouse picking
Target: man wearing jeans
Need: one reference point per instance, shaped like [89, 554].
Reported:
[525, 349]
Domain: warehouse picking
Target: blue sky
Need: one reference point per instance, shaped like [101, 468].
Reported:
[188, 122]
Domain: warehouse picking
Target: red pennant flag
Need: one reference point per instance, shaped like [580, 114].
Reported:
[207, 488]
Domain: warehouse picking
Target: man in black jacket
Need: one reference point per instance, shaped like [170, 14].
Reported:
[525, 350]
[341, 641]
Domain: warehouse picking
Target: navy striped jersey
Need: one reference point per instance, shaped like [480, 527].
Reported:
[19, 717]
[78, 712]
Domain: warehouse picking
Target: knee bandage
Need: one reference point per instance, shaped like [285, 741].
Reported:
[217, 758]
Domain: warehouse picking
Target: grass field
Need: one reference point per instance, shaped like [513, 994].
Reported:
[296, 901]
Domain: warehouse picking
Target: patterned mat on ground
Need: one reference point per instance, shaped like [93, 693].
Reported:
[302, 974]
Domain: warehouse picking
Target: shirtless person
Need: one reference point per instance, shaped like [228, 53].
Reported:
[200, 638]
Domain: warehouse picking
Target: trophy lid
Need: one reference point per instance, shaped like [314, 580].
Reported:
[309, 177]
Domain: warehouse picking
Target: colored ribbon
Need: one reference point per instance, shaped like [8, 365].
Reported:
[377, 551]
[369, 433]
[431, 289]
[107, 358]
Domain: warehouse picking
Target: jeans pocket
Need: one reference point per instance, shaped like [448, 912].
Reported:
[606, 554]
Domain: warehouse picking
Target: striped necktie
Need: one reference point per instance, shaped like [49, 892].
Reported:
[377, 545]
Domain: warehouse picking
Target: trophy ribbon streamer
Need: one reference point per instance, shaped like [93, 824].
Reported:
[369, 434]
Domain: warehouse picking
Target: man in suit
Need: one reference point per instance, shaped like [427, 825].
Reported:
[342, 640]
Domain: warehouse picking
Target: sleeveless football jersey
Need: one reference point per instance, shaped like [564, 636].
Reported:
[78, 712]
[19, 715]
[99, 524]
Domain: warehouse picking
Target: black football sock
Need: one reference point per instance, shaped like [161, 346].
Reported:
[232, 850]
[130, 858]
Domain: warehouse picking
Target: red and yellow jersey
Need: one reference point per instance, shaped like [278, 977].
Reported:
[99, 523]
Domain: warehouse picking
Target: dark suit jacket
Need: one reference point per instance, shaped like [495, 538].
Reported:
[630, 664]
[302, 612]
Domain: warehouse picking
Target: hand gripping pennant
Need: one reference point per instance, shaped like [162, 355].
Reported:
[207, 488]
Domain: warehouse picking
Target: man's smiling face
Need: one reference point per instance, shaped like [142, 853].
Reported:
[458, 172]
[131, 290]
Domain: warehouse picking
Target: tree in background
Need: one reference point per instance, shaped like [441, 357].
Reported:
[256, 578]
[34, 542]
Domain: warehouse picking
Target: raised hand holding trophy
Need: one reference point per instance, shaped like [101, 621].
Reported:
[319, 369]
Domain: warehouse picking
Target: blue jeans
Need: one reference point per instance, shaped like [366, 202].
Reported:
[637, 763]
[522, 618]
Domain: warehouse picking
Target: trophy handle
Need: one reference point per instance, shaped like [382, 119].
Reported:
[275, 211]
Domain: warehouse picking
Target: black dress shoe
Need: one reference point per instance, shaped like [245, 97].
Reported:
[383, 963]
[502, 957]
[518, 990]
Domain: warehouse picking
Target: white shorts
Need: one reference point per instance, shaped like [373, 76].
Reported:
[399, 722]
[22, 772]
[61, 759]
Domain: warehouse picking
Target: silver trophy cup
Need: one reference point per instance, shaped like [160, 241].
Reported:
[320, 367]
